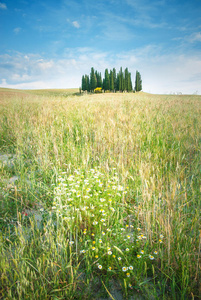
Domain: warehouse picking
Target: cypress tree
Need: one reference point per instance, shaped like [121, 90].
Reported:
[138, 82]
[129, 83]
[87, 83]
[117, 82]
[107, 81]
[121, 80]
[92, 80]
[83, 83]
[99, 79]
[111, 81]
[115, 79]
[104, 84]
[126, 79]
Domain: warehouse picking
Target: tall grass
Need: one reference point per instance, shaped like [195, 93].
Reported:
[135, 163]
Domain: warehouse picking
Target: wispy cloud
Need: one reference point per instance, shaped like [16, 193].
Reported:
[44, 65]
[17, 30]
[195, 37]
[3, 82]
[3, 6]
[145, 13]
[76, 24]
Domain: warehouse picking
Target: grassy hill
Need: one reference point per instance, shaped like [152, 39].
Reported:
[99, 195]
[41, 92]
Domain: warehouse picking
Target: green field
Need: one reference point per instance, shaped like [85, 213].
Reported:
[99, 195]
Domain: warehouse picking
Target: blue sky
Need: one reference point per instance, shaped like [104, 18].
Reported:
[51, 44]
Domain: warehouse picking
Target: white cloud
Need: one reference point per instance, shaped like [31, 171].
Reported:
[30, 85]
[195, 37]
[73, 23]
[3, 6]
[76, 24]
[17, 30]
[3, 82]
[20, 78]
[45, 65]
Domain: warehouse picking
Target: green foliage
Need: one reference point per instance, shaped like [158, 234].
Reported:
[98, 79]
[138, 82]
[121, 80]
[85, 83]
[127, 81]
[111, 82]
[114, 78]
[130, 87]
[93, 80]
[107, 80]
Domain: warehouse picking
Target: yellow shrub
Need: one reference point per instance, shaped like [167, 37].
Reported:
[98, 90]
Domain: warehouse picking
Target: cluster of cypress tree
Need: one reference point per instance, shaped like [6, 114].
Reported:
[112, 81]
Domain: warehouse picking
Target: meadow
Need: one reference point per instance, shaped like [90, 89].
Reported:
[99, 195]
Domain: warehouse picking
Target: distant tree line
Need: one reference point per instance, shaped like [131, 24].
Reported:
[112, 81]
